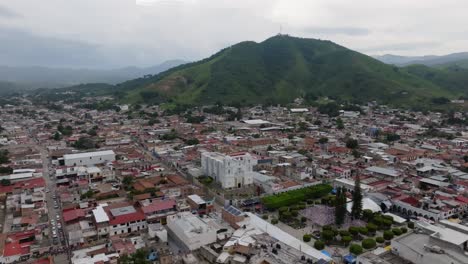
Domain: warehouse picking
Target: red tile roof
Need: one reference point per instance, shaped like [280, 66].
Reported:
[126, 218]
[411, 200]
[27, 184]
[14, 249]
[462, 199]
[73, 215]
[158, 206]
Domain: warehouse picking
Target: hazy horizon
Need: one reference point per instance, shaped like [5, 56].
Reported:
[110, 34]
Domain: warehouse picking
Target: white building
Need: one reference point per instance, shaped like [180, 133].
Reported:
[231, 171]
[89, 158]
[190, 230]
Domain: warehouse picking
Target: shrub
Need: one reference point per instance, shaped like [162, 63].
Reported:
[368, 243]
[265, 217]
[354, 230]
[388, 217]
[327, 227]
[388, 235]
[301, 207]
[327, 235]
[367, 214]
[404, 230]
[306, 237]
[397, 231]
[344, 233]
[411, 225]
[380, 240]
[310, 201]
[346, 240]
[363, 230]
[274, 221]
[355, 249]
[387, 223]
[319, 245]
[283, 209]
[371, 227]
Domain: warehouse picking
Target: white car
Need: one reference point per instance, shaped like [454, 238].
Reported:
[58, 217]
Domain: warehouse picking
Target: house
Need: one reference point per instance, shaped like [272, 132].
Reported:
[125, 218]
[158, 210]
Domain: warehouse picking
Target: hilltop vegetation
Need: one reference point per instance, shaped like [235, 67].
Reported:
[283, 68]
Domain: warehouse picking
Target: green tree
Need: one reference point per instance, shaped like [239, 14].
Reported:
[127, 181]
[388, 235]
[323, 140]
[356, 209]
[368, 215]
[346, 240]
[392, 137]
[340, 206]
[352, 143]
[355, 249]
[368, 243]
[139, 257]
[380, 240]
[371, 228]
[57, 136]
[356, 153]
[6, 170]
[192, 141]
[239, 114]
[397, 231]
[306, 237]
[5, 182]
[85, 143]
[319, 245]
[339, 123]
[327, 235]
[4, 156]
[363, 230]
[354, 230]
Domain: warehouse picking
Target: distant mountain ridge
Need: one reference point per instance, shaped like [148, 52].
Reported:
[43, 77]
[429, 60]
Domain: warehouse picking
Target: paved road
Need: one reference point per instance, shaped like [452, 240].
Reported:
[52, 212]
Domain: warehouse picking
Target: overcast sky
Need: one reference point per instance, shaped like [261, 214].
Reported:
[115, 33]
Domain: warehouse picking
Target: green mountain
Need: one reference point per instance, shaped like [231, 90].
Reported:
[280, 69]
[453, 78]
[454, 64]
[428, 60]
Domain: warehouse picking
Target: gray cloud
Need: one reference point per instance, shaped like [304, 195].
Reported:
[351, 31]
[21, 48]
[116, 33]
[407, 46]
[7, 13]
